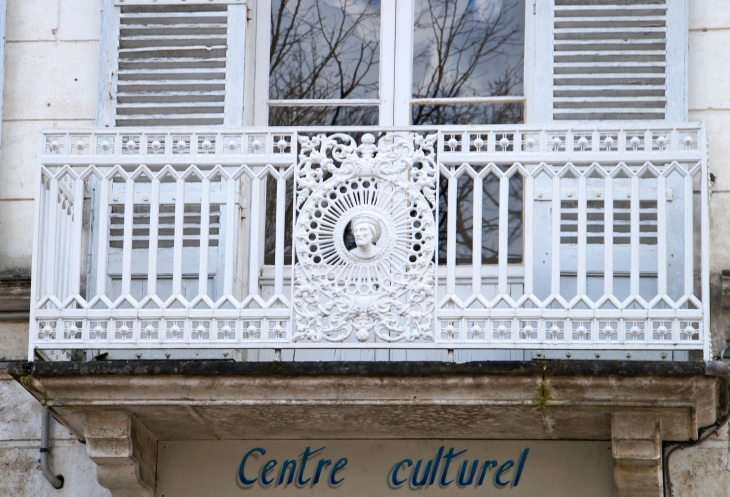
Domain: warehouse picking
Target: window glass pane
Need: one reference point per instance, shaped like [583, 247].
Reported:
[324, 49]
[468, 48]
[323, 116]
[509, 113]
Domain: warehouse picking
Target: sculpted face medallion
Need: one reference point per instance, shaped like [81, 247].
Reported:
[366, 230]
[383, 287]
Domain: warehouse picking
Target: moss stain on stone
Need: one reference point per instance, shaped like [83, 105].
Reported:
[542, 395]
[33, 385]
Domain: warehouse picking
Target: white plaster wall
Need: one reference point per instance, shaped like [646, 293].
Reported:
[50, 81]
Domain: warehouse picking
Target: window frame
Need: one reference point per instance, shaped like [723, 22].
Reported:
[396, 63]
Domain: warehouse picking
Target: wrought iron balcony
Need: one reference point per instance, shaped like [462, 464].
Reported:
[425, 238]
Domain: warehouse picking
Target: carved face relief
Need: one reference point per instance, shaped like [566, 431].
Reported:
[385, 285]
[366, 230]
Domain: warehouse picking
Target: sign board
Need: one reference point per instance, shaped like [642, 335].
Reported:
[260, 468]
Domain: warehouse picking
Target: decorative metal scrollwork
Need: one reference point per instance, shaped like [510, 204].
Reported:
[384, 195]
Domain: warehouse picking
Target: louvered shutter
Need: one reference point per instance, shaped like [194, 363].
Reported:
[615, 59]
[180, 63]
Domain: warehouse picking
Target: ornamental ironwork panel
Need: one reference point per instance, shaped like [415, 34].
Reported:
[384, 195]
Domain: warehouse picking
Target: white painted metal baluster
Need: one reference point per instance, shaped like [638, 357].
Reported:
[451, 235]
[661, 222]
[178, 243]
[127, 244]
[280, 225]
[78, 215]
[688, 236]
[51, 243]
[529, 202]
[608, 237]
[70, 241]
[255, 243]
[103, 235]
[230, 238]
[40, 259]
[705, 247]
[60, 253]
[67, 248]
[63, 247]
[154, 225]
[204, 235]
[582, 235]
[635, 234]
[476, 255]
[555, 276]
[503, 255]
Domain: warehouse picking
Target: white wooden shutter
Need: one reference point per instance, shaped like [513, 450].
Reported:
[616, 59]
[179, 63]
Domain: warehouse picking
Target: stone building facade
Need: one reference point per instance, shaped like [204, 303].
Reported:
[444, 356]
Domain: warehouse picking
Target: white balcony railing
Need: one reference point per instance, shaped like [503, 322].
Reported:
[482, 237]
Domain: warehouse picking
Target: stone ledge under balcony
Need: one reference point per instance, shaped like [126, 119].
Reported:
[182, 400]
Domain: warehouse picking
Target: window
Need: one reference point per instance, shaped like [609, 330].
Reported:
[395, 63]
[345, 63]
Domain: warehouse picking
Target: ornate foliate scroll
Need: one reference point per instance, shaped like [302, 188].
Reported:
[379, 285]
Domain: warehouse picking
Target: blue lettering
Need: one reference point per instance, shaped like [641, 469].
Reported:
[395, 480]
[449, 456]
[487, 465]
[286, 464]
[414, 477]
[338, 466]
[474, 465]
[501, 470]
[436, 465]
[241, 475]
[266, 470]
[305, 455]
[320, 467]
[522, 465]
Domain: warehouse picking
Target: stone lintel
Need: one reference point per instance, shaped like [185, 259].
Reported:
[125, 453]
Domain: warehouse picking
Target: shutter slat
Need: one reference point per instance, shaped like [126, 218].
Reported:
[609, 59]
[172, 65]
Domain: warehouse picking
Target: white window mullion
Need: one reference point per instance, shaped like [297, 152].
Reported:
[402, 90]
[386, 89]
[263, 44]
[542, 102]
[235, 57]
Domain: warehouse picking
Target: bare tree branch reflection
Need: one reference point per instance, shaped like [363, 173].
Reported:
[466, 48]
[490, 220]
[324, 50]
